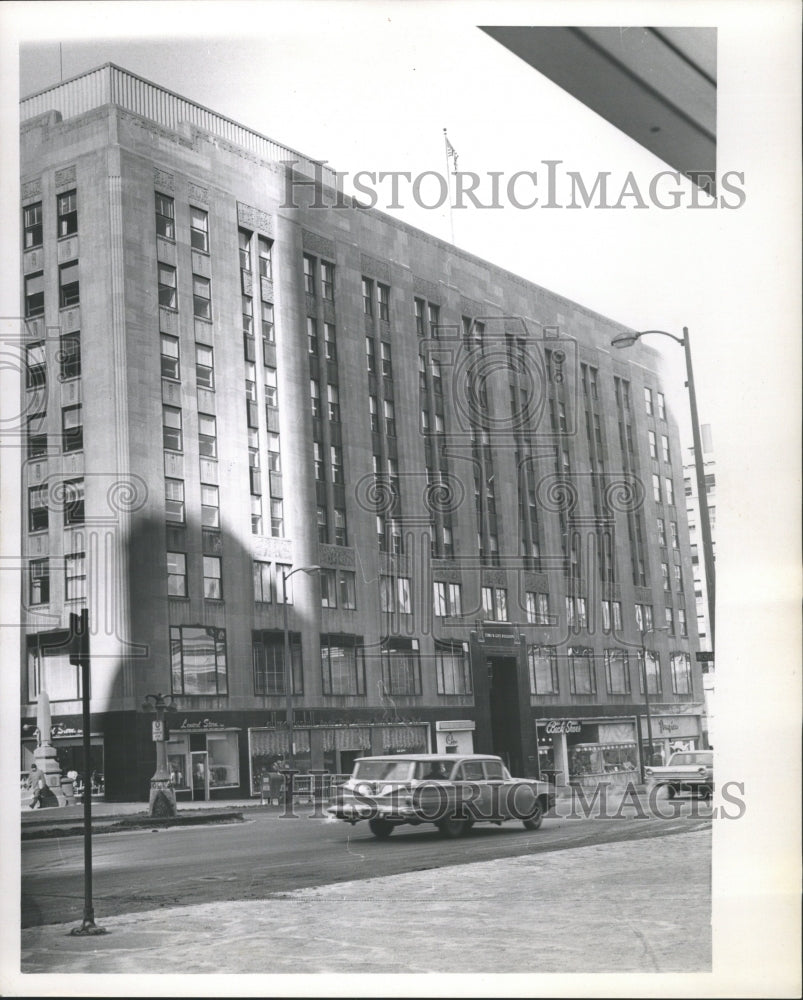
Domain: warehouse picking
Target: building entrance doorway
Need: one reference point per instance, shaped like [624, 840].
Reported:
[505, 716]
[200, 775]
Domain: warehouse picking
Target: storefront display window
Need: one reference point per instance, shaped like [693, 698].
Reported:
[602, 758]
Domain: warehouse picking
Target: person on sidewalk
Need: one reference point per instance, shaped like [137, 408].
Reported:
[276, 781]
[37, 784]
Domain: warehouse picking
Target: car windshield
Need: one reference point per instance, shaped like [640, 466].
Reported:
[691, 758]
[383, 770]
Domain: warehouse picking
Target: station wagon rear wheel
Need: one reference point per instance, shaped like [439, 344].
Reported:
[380, 828]
[452, 827]
[536, 817]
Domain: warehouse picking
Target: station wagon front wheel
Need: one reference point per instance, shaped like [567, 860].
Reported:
[536, 817]
[380, 828]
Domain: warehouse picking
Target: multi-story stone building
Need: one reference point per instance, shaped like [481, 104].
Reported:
[226, 382]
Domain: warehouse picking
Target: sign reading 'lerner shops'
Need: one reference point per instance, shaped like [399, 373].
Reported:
[562, 726]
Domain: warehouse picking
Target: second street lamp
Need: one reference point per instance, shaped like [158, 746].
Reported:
[288, 680]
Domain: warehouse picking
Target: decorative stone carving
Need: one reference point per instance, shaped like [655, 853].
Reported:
[425, 287]
[196, 193]
[65, 177]
[32, 189]
[336, 555]
[254, 218]
[374, 267]
[318, 244]
[163, 180]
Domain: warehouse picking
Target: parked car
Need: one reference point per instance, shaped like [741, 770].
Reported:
[687, 771]
[452, 791]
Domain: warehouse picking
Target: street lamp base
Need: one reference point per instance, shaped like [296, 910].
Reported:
[88, 929]
[162, 801]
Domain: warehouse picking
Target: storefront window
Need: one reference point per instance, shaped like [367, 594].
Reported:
[601, 758]
[224, 767]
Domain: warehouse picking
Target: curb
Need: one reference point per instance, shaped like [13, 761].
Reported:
[118, 824]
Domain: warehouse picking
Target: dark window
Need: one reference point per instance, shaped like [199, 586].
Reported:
[72, 430]
[244, 237]
[34, 294]
[68, 284]
[367, 296]
[198, 660]
[176, 574]
[75, 577]
[309, 274]
[170, 357]
[32, 226]
[207, 435]
[265, 258]
[268, 660]
[213, 577]
[342, 665]
[172, 438]
[39, 581]
[73, 501]
[543, 664]
[328, 280]
[201, 297]
[199, 229]
[401, 666]
[35, 366]
[617, 671]
[37, 435]
[69, 356]
[37, 508]
[67, 210]
[165, 217]
[167, 286]
[383, 296]
[267, 322]
[204, 367]
[452, 668]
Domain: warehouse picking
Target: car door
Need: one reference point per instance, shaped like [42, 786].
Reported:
[472, 789]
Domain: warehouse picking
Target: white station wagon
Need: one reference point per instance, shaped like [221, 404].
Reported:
[453, 791]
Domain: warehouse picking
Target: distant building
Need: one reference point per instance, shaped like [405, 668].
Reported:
[221, 389]
[698, 566]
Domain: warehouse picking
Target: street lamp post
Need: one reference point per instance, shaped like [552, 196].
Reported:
[627, 340]
[288, 679]
[162, 798]
[645, 682]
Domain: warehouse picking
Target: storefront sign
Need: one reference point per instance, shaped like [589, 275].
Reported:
[59, 729]
[455, 726]
[562, 726]
[203, 724]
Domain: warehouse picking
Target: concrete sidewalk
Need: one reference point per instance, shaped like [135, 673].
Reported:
[631, 906]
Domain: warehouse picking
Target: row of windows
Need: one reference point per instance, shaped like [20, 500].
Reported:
[668, 493]
[72, 432]
[173, 432]
[69, 292]
[69, 494]
[544, 676]
[74, 579]
[315, 269]
[66, 219]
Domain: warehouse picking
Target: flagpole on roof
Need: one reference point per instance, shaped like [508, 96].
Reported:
[451, 154]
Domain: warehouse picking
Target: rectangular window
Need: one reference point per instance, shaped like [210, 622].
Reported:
[172, 436]
[441, 608]
[616, 608]
[670, 491]
[328, 280]
[330, 345]
[333, 399]
[342, 670]
[34, 294]
[370, 355]
[176, 574]
[670, 621]
[401, 666]
[653, 442]
[36, 435]
[420, 318]
[73, 502]
[247, 308]
[276, 518]
[201, 297]
[653, 671]
[543, 665]
[271, 388]
[174, 501]
[681, 673]
[322, 521]
[35, 366]
[263, 591]
[455, 599]
[661, 526]
[165, 217]
[309, 274]
[665, 576]
[648, 401]
[268, 655]
[390, 418]
[452, 668]
[210, 506]
[274, 454]
[387, 364]
[37, 508]
[68, 285]
[198, 660]
[199, 229]
[170, 357]
[367, 296]
[167, 286]
[617, 671]
[265, 251]
[213, 580]
[328, 582]
[32, 226]
[665, 448]
[72, 429]
[678, 579]
[75, 577]
[643, 617]
[67, 213]
[673, 533]
[582, 678]
[268, 333]
[312, 336]
[244, 244]
[39, 581]
[207, 435]
[682, 627]
[204, 367]
[373, 406]
[348, 593]
[340, 534]
[661, 405]
[336, 463]
[656, 488]
[383, 298]
[256, 514]
[434, 319]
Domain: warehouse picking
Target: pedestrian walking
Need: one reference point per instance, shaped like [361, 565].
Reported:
[275, 783]
[37, 785]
